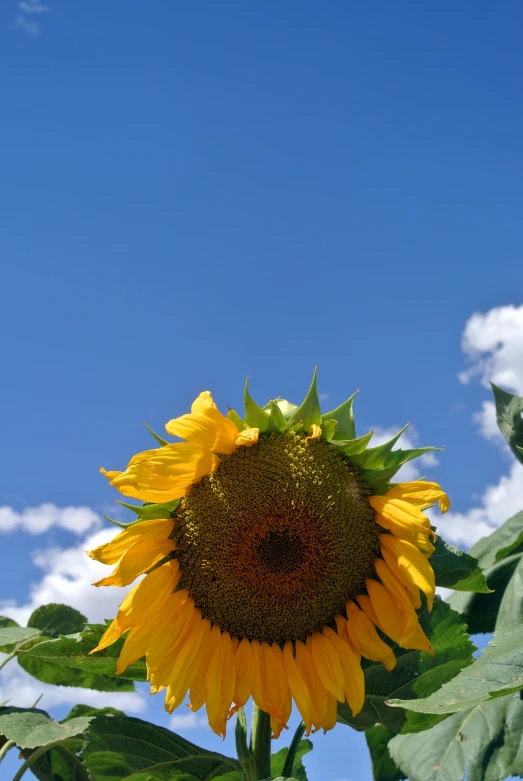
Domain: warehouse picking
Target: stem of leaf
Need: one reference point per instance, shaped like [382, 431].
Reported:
[8, 658]
[5, 748]
[260, 743]
[291, 754]
[242, 749]
[31, 759]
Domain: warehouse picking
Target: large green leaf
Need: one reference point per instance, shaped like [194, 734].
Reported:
[481, 744]
[66, 661]
[509, 414]
[511, 606]
[30, 728]
[498, 671]
[12, 635]
[278, 760]
[416, 674]
[54, 620]
[501, 543]
[128, 749]
[60, 763]
[456, 569]
[383, 766]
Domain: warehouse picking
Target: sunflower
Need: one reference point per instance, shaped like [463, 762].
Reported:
[276, 554]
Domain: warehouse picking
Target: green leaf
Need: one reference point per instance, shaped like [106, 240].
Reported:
[238, 422]
[11, 636]
[511, 607]
[161, 441]
[33, 728]
[277, 422]
[501, 543]
[54, 620]
[151, 512]
[456, 569]
[60, 763]
[88, 710]
[254, 415]
[509, 415]
[66, 661]
[482, 744]
[309, 411]
[480, 611]
[298, 769]
[120, 748]
[344, 417]
[383, 766]
[376, 457]
[498, 671]
[416, 673]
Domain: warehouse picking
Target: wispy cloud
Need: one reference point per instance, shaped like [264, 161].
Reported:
[33, 7]
[30, 8]
[181, 721]
[31, 28]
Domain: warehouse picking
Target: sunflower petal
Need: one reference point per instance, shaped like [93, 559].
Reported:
[298, 686]
[248, 437]
[136, 560]
[149, 596]
[205, 426]
[183, 667]
[112, 551]
[365, 639]
[328, 665]
[165, 473]
[354, 688]
[318, 692]
[245, 666]
[198, 691]
[409, 564]
[421, 494]
[220, 685]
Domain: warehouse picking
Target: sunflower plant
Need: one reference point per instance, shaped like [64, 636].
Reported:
[282, 567]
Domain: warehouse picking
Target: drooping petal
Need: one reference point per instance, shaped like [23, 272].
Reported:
[354, 680]
[258, 688]
[298, 686]
[409, 530]
[220, 685]
[245, 666]
[314, 432]
[318, 692]
[409, 564]
[365, 639]
[165, 473]
[198, 690]
[149, 596]
[112, 551]
[161, 652]
[330, 715]
[110, 636]
[183, 667]
[328, 665]
[397, 591]
[391, 619]
[134, 648]
[276, 686]
[205, 426]
[138, 559]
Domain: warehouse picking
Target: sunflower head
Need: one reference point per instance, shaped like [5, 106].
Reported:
[276, 553]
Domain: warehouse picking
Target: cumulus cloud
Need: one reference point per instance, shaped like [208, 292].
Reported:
[408, 441]
[38, 520]
[182, 721]
[19, 687]
[68, 575]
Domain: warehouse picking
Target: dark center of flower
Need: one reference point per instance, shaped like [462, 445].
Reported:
[273, 544]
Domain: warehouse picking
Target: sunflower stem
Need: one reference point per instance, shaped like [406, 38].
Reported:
[291, 753]
[5, 748]
[261, 743]
[242, 749]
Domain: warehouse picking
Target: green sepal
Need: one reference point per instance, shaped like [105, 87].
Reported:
[157, 437]
[376, 457]
[150, 512]
[328, 427]
[379, 479]
[309, 411]
[352, 448]
[277, 422]
[255, 417]
[344, 417]
[238, 422]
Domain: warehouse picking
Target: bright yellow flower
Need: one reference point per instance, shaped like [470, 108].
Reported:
[288, 551]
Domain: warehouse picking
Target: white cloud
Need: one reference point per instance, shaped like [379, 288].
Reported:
[493, 344]
[181, 721]
[37, 520]
[408, 441]
[69, 573]
[31, 28]
[33, 7]
[21, 689]
[497, 504]
[323, 396]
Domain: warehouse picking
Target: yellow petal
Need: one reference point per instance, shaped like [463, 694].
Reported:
[112, 551]
[198, 691]
[392, 620]
[411, 566]
[165, 473]
[280, 723]
[162, 648]
[149, 596]
[419, 641]
[354, 680]
[248, 437]
[409, 530]
[314, 432]
[366, 605]
[138, 559]
[245, 666]
[220, 685]
[134, 647]
[276, 686]
[328, 665]
[331, 713]
[183, 667]
[363, 636]
[421, 494]
[109, 475]
[110, 636]
[206, 426]
[318, 692]
[298, 686]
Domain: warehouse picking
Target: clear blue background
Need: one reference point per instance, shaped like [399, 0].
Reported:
[193, 192]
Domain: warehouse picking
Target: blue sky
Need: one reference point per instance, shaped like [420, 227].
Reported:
[194, 192]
